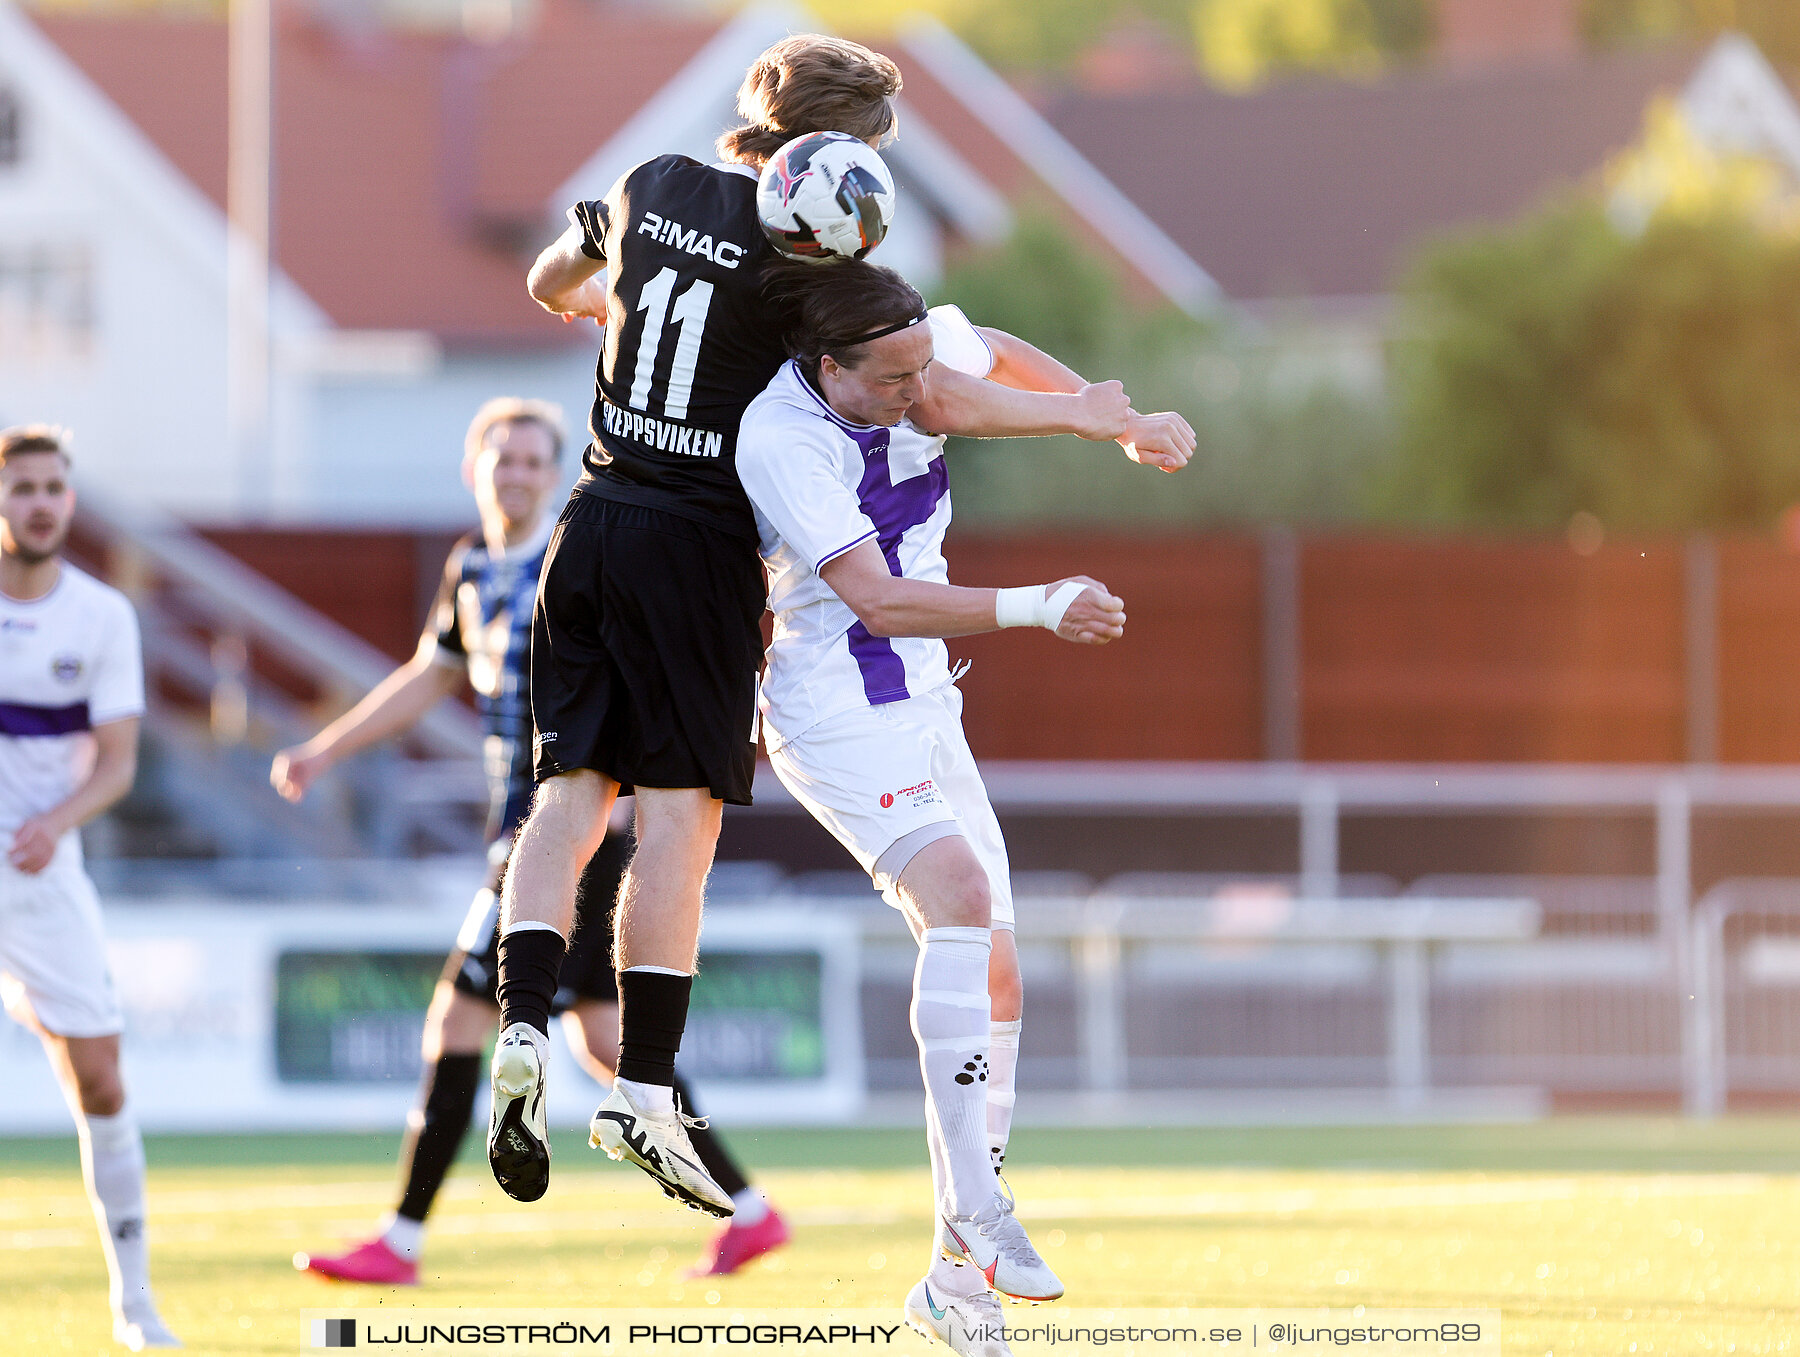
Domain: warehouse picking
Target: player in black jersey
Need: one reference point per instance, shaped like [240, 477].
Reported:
[480, 626]
[646, 640]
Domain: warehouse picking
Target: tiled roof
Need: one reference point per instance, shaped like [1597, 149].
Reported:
[1323, 188]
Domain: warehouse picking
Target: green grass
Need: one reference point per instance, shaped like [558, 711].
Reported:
[1591, 1235]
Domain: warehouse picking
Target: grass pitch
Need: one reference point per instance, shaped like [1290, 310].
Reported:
[1608, 1236]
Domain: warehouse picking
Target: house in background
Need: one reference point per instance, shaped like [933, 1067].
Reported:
[415, 174]
[1307, 197]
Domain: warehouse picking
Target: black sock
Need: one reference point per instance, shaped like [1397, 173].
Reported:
[709, 1147]
[530, 960]
[430, 1147]
[652, 1016]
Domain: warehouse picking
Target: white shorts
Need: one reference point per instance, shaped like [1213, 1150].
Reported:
[52, 949]
[898, 775]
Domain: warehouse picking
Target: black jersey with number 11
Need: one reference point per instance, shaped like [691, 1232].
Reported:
[690, 340]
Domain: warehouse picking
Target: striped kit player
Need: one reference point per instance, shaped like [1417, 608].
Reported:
[480, 627]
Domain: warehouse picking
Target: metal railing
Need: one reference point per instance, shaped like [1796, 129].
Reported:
[238, 667]
[1743, 1016]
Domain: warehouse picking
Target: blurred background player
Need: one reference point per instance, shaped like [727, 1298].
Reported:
[71, 695]
[480, 626]
[863, 719]
[647, 639]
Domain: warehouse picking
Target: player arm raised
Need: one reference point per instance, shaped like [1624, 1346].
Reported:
[1027, 393]
[114, 770]
[1078, 609]
[1164, 440]
[393, 705]
[956, 403]
[566, 279]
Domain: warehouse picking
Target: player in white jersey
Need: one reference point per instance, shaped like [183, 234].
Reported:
[863, 720]
[71, 693]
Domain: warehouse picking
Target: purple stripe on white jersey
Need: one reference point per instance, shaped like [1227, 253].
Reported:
[893, 509]
[29, 719]
[883, 671]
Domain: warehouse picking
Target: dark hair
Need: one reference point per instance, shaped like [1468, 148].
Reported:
[23, 438]
[809, 83]
[826, 306]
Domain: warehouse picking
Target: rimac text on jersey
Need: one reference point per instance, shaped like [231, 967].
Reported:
[723, 253]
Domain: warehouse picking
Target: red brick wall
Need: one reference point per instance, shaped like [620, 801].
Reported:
[1420, 649]
[376, 583]
[1759, 653]
[1185, 683]
[1491, 650]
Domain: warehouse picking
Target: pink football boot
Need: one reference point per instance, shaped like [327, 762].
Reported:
[373, 1262]
[737, 1244]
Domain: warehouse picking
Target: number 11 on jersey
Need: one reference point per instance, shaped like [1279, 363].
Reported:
[689, 315]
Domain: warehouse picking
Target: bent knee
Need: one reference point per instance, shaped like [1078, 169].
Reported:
[963, 901]
[101, 1095]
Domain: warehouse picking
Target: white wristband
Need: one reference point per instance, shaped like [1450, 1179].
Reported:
[1027, 606]
[1019, 607]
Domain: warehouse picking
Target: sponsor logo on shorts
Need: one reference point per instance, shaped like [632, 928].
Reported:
[919, 794]
[545, 737]
[66, 668]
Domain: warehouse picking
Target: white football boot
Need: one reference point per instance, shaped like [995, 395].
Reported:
[659, 1145]
[993, 1241]
[967, 1325]
[518, 1144]
[146, 1331]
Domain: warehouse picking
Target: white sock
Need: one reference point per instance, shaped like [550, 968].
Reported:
[958, 1279]
[405, 1237]
[656, 1099]
[1003, 1068]
[749, 1206]
[112, 1165]
[950, 1019]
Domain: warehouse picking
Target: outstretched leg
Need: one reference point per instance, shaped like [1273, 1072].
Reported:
[1006, 992]
[456, 1026]
[947, 892]
[112, 1167]
[567, 822]
[755, 1227]
[658, 934]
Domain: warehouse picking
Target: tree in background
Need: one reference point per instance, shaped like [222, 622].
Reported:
[1279, 437]
[1236, 42]
[1241, 42]
[1569, 366]
[1774, 24]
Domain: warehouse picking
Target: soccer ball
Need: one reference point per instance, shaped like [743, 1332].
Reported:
[825, 196]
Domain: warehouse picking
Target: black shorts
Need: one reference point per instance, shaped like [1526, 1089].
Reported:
[587, 969]
[644, 650]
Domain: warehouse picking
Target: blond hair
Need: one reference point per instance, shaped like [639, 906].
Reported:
[811, 83]
[515, 410]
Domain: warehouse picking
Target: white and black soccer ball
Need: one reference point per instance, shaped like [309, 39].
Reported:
[824, 196]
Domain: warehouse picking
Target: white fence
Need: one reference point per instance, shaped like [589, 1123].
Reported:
[302, 1016]
[1627, 987]
[1146, 985]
